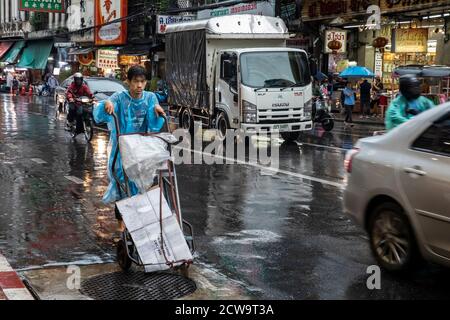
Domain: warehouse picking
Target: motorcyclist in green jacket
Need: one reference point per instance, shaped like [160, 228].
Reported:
[408, 104]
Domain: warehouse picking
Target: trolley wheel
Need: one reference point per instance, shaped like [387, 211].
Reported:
[184, 270]
[122, 257]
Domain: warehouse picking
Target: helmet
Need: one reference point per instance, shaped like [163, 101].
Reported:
[78, 79]
[410, 87]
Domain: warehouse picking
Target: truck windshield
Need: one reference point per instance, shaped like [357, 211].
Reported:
[275, 69]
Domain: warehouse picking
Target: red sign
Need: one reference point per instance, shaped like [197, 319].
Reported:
[106, 11]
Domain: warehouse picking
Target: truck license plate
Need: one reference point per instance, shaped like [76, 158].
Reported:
[281, 127]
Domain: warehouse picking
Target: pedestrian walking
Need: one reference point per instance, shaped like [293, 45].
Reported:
[15, 86]
[52, 83]
[364, 91]
[377, 88]
[349, 103]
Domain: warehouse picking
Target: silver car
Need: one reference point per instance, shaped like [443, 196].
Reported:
[398, 189]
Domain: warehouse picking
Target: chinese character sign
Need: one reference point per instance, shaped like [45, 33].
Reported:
[107, 59]
[42, 5]
[107, 11]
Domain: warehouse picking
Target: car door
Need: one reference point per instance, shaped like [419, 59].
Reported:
[425, 177]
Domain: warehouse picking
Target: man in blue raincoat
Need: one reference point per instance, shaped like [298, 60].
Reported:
[137, 111]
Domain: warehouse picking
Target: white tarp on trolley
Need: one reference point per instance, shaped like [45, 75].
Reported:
[141, 215]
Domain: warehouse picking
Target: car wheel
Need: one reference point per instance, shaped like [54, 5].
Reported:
[391, 238]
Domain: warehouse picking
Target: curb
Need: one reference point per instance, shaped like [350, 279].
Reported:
[11, 286]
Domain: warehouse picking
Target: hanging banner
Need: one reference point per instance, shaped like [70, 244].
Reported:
[107, 59]
[409, 40]
[105, 12]
[42, 5]
[81, 16]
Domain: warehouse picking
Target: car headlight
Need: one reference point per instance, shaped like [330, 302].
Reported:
[249, 113]
[307, 111]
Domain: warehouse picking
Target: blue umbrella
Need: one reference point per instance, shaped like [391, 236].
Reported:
[357, 72]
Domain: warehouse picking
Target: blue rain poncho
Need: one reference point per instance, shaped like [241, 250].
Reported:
[134, 115]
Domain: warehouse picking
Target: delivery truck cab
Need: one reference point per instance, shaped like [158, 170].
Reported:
[235, 72]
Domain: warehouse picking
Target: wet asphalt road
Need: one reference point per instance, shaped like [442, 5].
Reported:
[281, 236]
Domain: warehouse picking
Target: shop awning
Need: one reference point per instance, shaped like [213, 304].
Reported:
[4, 47]
[75, 51]
[35, 54]
[11, 55]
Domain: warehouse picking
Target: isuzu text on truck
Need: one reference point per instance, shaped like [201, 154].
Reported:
[235, 72]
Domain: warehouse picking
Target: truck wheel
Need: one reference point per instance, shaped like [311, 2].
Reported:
[186, 121]
[222, 125]
[290, 136]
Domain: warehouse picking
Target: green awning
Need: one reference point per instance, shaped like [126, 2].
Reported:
[35, 54]
[11, 55]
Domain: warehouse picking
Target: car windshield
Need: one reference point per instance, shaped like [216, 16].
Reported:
[99, 85]
[275, 69]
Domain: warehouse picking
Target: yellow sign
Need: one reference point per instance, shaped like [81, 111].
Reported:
[409, 40]
[329, 9]
[400, 5]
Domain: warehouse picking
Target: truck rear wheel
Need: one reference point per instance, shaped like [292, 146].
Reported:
[290, 136]
[186, 121]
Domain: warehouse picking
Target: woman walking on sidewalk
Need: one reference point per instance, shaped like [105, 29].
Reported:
[349, 103]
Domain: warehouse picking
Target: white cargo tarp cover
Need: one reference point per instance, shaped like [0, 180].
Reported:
[142, 156]
[141, 215]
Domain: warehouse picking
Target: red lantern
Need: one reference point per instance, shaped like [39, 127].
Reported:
[380, 43]
[334, 46]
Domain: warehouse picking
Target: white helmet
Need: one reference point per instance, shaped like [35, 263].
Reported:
[78, 78]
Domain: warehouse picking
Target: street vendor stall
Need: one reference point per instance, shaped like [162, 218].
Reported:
[435, 81]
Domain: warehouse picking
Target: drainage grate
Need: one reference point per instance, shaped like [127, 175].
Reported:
[137, 286]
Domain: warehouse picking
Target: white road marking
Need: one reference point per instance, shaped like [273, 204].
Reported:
[4, 265]
[74, 179]
[266, 169]
[18, 294]
[38, 160]
[12, 146]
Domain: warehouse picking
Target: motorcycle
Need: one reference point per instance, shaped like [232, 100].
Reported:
[321, 114]
[87, 119]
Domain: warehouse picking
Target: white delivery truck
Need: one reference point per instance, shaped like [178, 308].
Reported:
[235, 72]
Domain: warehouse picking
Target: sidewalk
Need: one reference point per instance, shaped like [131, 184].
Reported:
[11, 286]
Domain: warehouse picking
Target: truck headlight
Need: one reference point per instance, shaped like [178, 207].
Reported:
[249, 113]
[307, 111]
